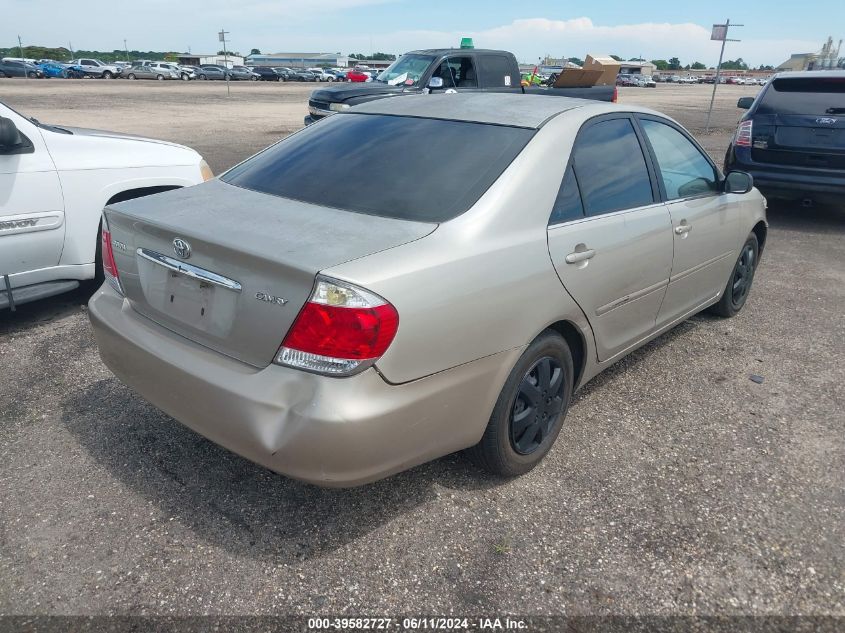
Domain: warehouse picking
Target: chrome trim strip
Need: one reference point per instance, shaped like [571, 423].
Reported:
[189, 270]
[698, 267]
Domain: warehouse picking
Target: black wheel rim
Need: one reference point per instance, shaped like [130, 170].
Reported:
[743, 274]
[538, 403]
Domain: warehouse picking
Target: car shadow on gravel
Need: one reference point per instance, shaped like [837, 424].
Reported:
[231, 502]
[817, 218]
[35, 313]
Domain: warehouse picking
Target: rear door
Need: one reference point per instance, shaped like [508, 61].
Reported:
[32, 227]
[800, 121]
[705, 228]
[610, 236]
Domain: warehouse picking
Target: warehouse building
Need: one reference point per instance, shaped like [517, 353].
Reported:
[219, 60]
[301, 60]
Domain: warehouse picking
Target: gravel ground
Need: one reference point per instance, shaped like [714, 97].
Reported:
[677, 487]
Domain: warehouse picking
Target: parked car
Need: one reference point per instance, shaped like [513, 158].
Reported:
[213, 72]
[151, 72]
[792, 139]
[625, 80]
[96, 68]
[433, 71]
[322, 74]
[14, 68]
[284, 72]
[644, 81]
[242, 73]
[55, 182]
[53, 69]
[332, 362]
[185, 73]
[302, 75]
[265, 73]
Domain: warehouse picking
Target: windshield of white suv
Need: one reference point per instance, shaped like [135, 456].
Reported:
[406, 71]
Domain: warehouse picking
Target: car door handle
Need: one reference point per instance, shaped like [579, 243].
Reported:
[682, 228]
[580, 256]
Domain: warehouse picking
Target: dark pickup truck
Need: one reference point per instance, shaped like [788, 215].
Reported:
[437, 70]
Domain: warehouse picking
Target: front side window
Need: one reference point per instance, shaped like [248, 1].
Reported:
[457, 72]
[610, 168]
[430, 170]
[406, 71]
[684, 170]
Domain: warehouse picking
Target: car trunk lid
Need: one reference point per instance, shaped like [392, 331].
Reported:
[251, 266]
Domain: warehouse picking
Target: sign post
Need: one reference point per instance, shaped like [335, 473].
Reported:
[222, 36]
[719, 33]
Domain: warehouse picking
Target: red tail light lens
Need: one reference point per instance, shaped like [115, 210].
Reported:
[615, 94]
[342, 330]
[742, 138]
[109, 265]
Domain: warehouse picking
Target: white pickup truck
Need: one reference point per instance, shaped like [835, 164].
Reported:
[54, 183]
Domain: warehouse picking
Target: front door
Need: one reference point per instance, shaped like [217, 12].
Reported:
[32, 226]
[704, 227]
[610, 238]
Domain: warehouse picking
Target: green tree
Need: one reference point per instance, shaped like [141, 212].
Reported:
[766, 67]
[734, 64]
[660, 64]
[255, 51]
[698, 66]
[576, 60]
[674, 63]
[617, 58]
[636, 59]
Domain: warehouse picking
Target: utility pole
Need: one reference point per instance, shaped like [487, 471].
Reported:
[20, 47]
[222, 35]
[70, 46]
[126, 50]
[720, 32]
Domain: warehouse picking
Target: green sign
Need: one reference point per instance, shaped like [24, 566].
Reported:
[466, 42]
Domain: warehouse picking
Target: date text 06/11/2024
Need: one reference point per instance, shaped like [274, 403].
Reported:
[417, 624]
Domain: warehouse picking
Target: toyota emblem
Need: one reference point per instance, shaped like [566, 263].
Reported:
[181, 248]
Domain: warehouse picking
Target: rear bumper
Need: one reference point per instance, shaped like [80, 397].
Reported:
[326, 431]
[787, 182]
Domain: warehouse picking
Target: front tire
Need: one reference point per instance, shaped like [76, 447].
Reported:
[739, 283]
[530, 410]
[160, 77]
[107, 74]
[131, 76]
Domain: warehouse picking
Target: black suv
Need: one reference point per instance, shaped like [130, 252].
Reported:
[792, 139]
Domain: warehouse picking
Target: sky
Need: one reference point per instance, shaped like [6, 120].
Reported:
[658, 29]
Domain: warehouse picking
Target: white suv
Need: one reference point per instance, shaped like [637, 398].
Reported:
[181, 72]
[55, 182]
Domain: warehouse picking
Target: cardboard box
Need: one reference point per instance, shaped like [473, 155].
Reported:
[577, 78]
[608, 66]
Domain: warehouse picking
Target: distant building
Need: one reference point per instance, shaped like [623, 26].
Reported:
[637, 68]
[301, 60]
[826, 58]
[219, 60]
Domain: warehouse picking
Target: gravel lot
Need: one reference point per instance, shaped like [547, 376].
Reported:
[678, 485]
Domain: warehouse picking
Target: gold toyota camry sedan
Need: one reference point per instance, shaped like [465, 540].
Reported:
[514, 247]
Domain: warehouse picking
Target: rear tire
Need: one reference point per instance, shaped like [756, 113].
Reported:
[107, 74]
[739, 283]
[160, 77]
[131, 76]
[530, 410]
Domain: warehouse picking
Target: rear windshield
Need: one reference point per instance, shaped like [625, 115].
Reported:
[407, 168]
[799, 95]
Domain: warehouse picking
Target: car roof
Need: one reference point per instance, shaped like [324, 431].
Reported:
[512, 109]
[838, 74]
[450, 51]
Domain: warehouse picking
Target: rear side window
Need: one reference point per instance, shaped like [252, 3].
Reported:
[497, 71]
[610, 167]
[428, 170]
[684, 170]
[804, 95]
[568, 205]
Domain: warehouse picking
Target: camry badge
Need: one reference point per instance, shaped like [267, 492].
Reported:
[181, 248]
[268, 298]
[825, 120]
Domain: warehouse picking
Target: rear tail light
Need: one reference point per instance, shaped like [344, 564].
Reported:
[742, 138]
[109, 265]
[340, 331]
[615, 94]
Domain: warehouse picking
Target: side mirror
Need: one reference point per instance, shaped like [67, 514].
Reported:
[738, 182]
[744, 102]
[435, 82]
[10, 138]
